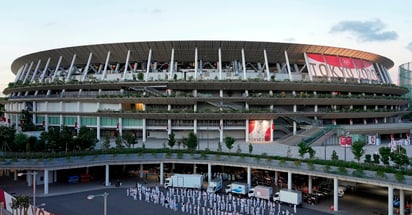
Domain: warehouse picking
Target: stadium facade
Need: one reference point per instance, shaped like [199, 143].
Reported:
[253, 91]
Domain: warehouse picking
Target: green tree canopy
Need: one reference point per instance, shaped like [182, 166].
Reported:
[357, 149]
[171, 141]
[191, 141]
[229, 141]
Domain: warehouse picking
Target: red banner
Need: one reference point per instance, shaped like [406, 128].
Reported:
[340, 67]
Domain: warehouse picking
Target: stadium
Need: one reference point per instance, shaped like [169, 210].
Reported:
[256, 92]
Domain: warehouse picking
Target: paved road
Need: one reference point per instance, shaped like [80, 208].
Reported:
[119, 203]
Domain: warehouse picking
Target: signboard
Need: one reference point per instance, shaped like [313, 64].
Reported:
[259, 131]
[331, 66]
[345, 141]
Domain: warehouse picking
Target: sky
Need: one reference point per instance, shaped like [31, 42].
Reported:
[378, 26]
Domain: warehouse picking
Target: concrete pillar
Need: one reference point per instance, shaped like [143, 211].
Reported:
[249, 175]
[107, 179]
[276, 177]
[310, 184]
[209, 172]
[161, 173]
[141, 172]
[390, 200]
[289, 180]
[194, 168]
[335, 194]
[401, 202]
[46, 181]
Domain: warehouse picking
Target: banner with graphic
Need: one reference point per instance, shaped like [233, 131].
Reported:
[345, 141]
[331, 66]
[259, 131]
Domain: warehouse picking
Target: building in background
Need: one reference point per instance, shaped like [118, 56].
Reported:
[256, 92]
[405, 80]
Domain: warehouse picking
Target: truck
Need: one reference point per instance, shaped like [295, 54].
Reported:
[261, 192]
[194, 181]
[237, 188]
[287, 196]
[215, 185]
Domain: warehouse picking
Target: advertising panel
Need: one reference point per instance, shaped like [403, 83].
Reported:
[345, 141]
[331, 66]
[259, 131]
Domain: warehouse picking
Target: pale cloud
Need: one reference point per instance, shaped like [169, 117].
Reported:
[365, 31]
[409, 46]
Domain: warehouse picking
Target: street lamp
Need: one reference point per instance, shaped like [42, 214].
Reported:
[34, 175]
[104, 195]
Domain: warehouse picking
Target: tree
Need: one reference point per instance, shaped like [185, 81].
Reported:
[7, 136]
[399, 156]
[385, 153]
[20, 143]
[229, 141]
[171, 141]
[106, 142]
[334, 156]
[357, 149]
[86, 139]
[119, 142]
[191, 141]
[311, 152]
[129, 138]
[303, 148]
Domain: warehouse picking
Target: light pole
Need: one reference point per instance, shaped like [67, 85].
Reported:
[104, 195]
[34, 175]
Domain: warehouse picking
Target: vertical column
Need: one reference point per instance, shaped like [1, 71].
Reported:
[247, 130]
[289, 180]
[194, 168]
[335, 194]
[107, 179]
[244, 64]
[144, 132]
[28, 72]
[105, 65]
[126, 65]
[46, 181]
[220, 63]
[46, 121]
[169, 126]
[86, 68]
[266, 65]
[401, 202]
[390, 200]
[149, 61]
[221, 131]
[141, 171]
[249, 175]
[294, 128]
[172, 60]
[57, 68]
[309, 184]
[69, 74]
[35, 71]
[98, 127]
[276, 177]
[44, 71]
[161, 173]
[196, 64]
[120, 126]
[209, 172]
[288, 66]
